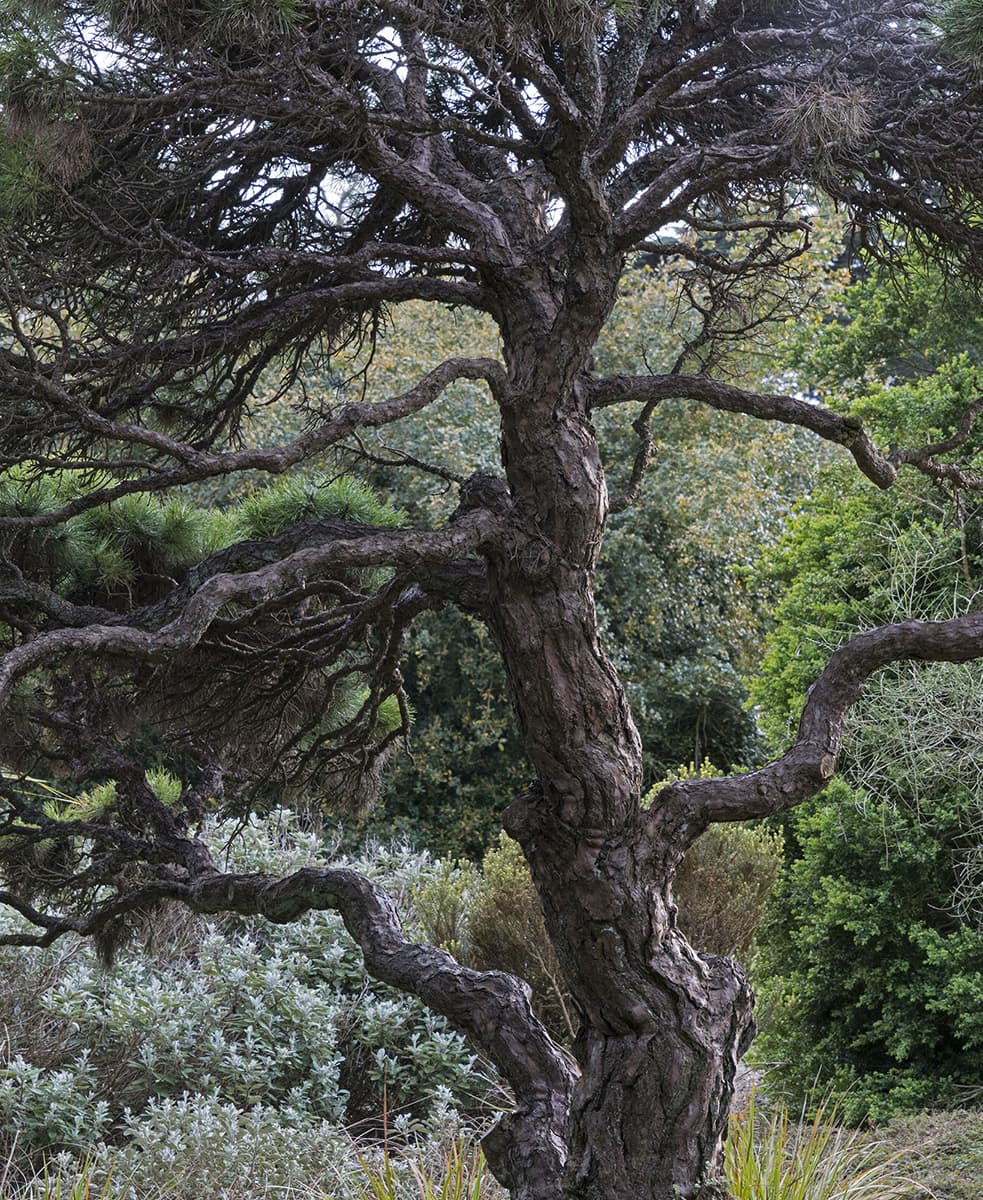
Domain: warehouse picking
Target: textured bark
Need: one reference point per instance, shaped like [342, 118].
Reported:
[651, 1109]
[662, 1027]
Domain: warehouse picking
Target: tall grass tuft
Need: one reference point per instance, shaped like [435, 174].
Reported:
[460, 1175]
[776, 1157]
[76, 1182]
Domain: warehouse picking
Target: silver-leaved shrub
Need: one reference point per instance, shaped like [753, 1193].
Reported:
[227, 1057]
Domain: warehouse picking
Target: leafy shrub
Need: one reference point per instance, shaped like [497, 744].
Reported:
[199, 1146]
[872, 950]
[246, 1019]
[872, 983]
[46, 1108]
[723, 884]
[443, 903]
[205, 1149]
[507, 933]
[467, 759]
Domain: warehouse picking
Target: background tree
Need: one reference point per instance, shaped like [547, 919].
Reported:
[198, 193]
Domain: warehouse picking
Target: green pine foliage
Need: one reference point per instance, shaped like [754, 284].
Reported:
[216, 23]
[43, 141]
[961, 26]
[20, 176]
[269, 510]
[123, 547]
[135, 549]
[165, 786]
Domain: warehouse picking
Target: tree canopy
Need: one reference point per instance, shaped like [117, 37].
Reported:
[199, 198]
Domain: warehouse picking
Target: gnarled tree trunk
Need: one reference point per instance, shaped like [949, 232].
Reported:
[507, 158]
[662, 1027]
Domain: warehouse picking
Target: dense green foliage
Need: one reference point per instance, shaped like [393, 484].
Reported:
[873, 949]
[874, 984]
[467, 760]
[140, 541]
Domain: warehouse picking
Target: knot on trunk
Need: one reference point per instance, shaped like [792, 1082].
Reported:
[484, 490]
[524, 815]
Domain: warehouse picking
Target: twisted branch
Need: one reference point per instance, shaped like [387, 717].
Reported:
[412, 549]
[844, 431]
[808, 766]
[527, 1149]
[196, 465]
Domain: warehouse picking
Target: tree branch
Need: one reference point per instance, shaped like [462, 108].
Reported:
[21, 592]
[198, 464]
[808, 766]
[411, 549]
[844, 431]
[947, 445]
[85, 925]
[527, 1147]
[923, 458]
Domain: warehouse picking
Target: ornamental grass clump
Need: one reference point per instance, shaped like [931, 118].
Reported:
[457, 1173]
[772, 1156]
